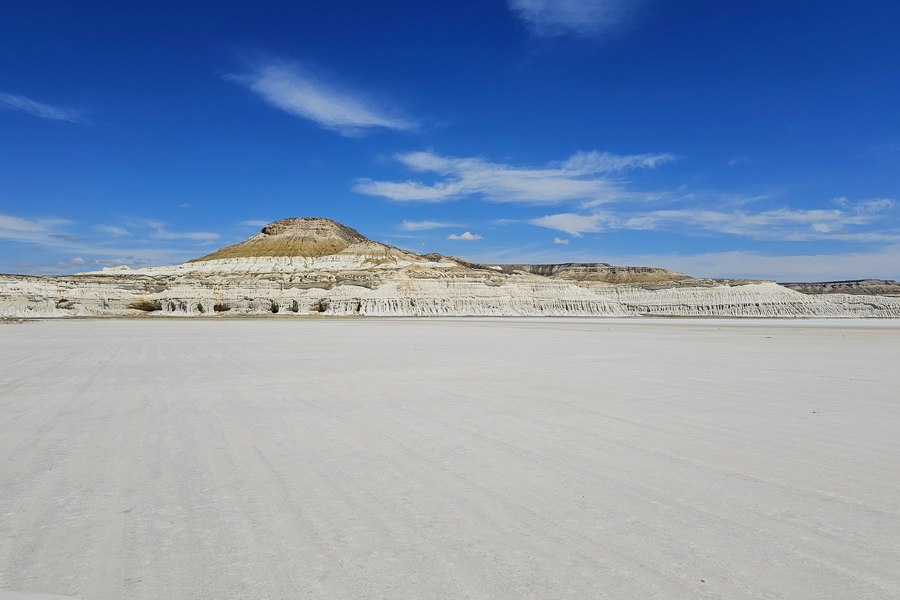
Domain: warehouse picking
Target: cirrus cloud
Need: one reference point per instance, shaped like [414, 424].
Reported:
[38, 109]
[585, 176]
[424, 225]
[582, 18]
[298, 92]
[781, 224]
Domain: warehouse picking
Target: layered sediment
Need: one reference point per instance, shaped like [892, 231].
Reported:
[864, 287]
[597, 272]
[313, 266]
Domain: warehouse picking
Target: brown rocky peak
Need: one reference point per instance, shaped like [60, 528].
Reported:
[299, 236]
[312, 227]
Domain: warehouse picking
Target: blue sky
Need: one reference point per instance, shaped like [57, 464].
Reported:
[742, 139]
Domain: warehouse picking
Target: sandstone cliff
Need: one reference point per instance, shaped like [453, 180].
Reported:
[313, 266]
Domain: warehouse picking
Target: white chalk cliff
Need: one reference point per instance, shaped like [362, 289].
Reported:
[315, 266]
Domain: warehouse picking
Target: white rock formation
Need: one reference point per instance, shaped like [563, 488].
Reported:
[317, 266]
[763, 299]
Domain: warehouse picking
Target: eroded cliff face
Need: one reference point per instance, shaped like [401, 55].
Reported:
[759, 299]
[394, 294]
[865, 287]
[597, 272]
[327, 269]
[301, 289]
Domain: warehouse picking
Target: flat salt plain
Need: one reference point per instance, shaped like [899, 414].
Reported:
[450, 458]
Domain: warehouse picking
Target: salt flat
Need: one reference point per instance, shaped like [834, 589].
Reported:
[556, 458]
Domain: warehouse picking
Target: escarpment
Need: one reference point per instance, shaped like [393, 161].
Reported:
[865, 287]
[316, 266]
[597, 272]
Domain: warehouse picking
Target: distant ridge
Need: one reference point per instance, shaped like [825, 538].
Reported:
[314, 237]
[315, 266]
[597, 272]
[867, 287]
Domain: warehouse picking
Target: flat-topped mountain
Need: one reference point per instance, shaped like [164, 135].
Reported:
[313, 265]
[299, 236]
[315, 237]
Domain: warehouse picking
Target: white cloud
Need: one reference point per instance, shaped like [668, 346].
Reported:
[571, 223]
[572, 17]
[423, 225]
[467, 236]
[589, 163]
[562, 241]
[584, 176]
[299, 93]
[96, 246]
[33, 230]
[783, 224]
[44, 111]
[254, 223]
[160, 231]
[18, 224]
[77, 263]
[200, 236]
[52, 232]
[111, 230]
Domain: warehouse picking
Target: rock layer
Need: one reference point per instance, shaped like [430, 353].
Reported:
[597, 272]
[866, 287]
[303, 236]
[315, 266]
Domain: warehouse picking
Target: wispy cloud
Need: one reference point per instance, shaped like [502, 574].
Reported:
[53, 232]
[584, 18]
[300, 93]
[111, 230]
[782, 224]
[572, 223]
[66, 247]
[44, 111]
[160, 230]
[33, 230]
[423, 225]
[253, 223]
[77, 263]
[562, 241]
[467, 236]
[881, 264]
[587, 176]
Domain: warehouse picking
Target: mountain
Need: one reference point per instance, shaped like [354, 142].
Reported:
[309, 237]
[316, 266]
